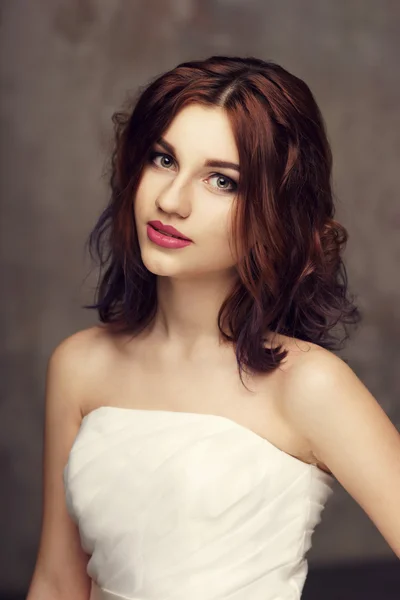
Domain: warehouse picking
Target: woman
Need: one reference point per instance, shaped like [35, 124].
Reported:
[200, 428]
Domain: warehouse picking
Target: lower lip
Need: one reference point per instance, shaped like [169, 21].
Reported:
[165, 241]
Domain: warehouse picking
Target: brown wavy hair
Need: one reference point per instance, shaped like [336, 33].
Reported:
[291, 276]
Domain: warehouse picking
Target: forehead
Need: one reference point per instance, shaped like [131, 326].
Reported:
[205, 131]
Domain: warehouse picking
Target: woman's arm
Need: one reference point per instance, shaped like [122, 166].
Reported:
[60, 571]
[350, 433]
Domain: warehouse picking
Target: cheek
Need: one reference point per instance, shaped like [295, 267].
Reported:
[141, 207]
[222, 225]
[218, 236]
[144, 192]
[138, 198]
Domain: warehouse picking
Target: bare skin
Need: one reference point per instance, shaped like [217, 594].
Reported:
[137, 373]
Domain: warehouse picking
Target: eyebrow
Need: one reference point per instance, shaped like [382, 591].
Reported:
[211, 162]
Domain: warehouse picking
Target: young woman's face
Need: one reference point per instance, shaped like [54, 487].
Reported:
[178, 188]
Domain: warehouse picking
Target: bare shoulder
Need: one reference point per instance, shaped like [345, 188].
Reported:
[311, 369]
[316, 365]
[81, 341]
[83, 347]
[76, 360]
[306, 373]
[319, 386]
[298, 351]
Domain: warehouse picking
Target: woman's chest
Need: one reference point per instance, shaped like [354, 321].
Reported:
[209, 385]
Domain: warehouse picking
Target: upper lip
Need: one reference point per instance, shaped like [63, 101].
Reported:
[168, 229]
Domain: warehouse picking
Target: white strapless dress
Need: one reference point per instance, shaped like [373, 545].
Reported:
[187, 506]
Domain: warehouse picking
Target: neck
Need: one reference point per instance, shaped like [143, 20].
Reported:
[187, 311]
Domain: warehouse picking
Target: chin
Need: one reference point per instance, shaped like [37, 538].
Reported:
[165, 266]
[180, 265]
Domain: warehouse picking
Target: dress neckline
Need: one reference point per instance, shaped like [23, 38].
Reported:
[210, 416]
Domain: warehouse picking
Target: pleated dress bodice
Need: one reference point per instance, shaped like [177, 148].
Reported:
[187, 506]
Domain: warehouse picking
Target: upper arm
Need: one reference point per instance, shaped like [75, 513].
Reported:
[60, 570]
[351, 434]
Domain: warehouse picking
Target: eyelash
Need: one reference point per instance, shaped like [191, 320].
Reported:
[154, 155]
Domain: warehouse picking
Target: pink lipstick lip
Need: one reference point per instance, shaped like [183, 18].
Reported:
[165, 241]
[168, 229]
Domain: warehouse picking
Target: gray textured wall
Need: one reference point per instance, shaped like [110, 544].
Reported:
[65, 66]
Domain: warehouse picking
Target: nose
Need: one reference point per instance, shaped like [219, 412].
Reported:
[174, 198]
